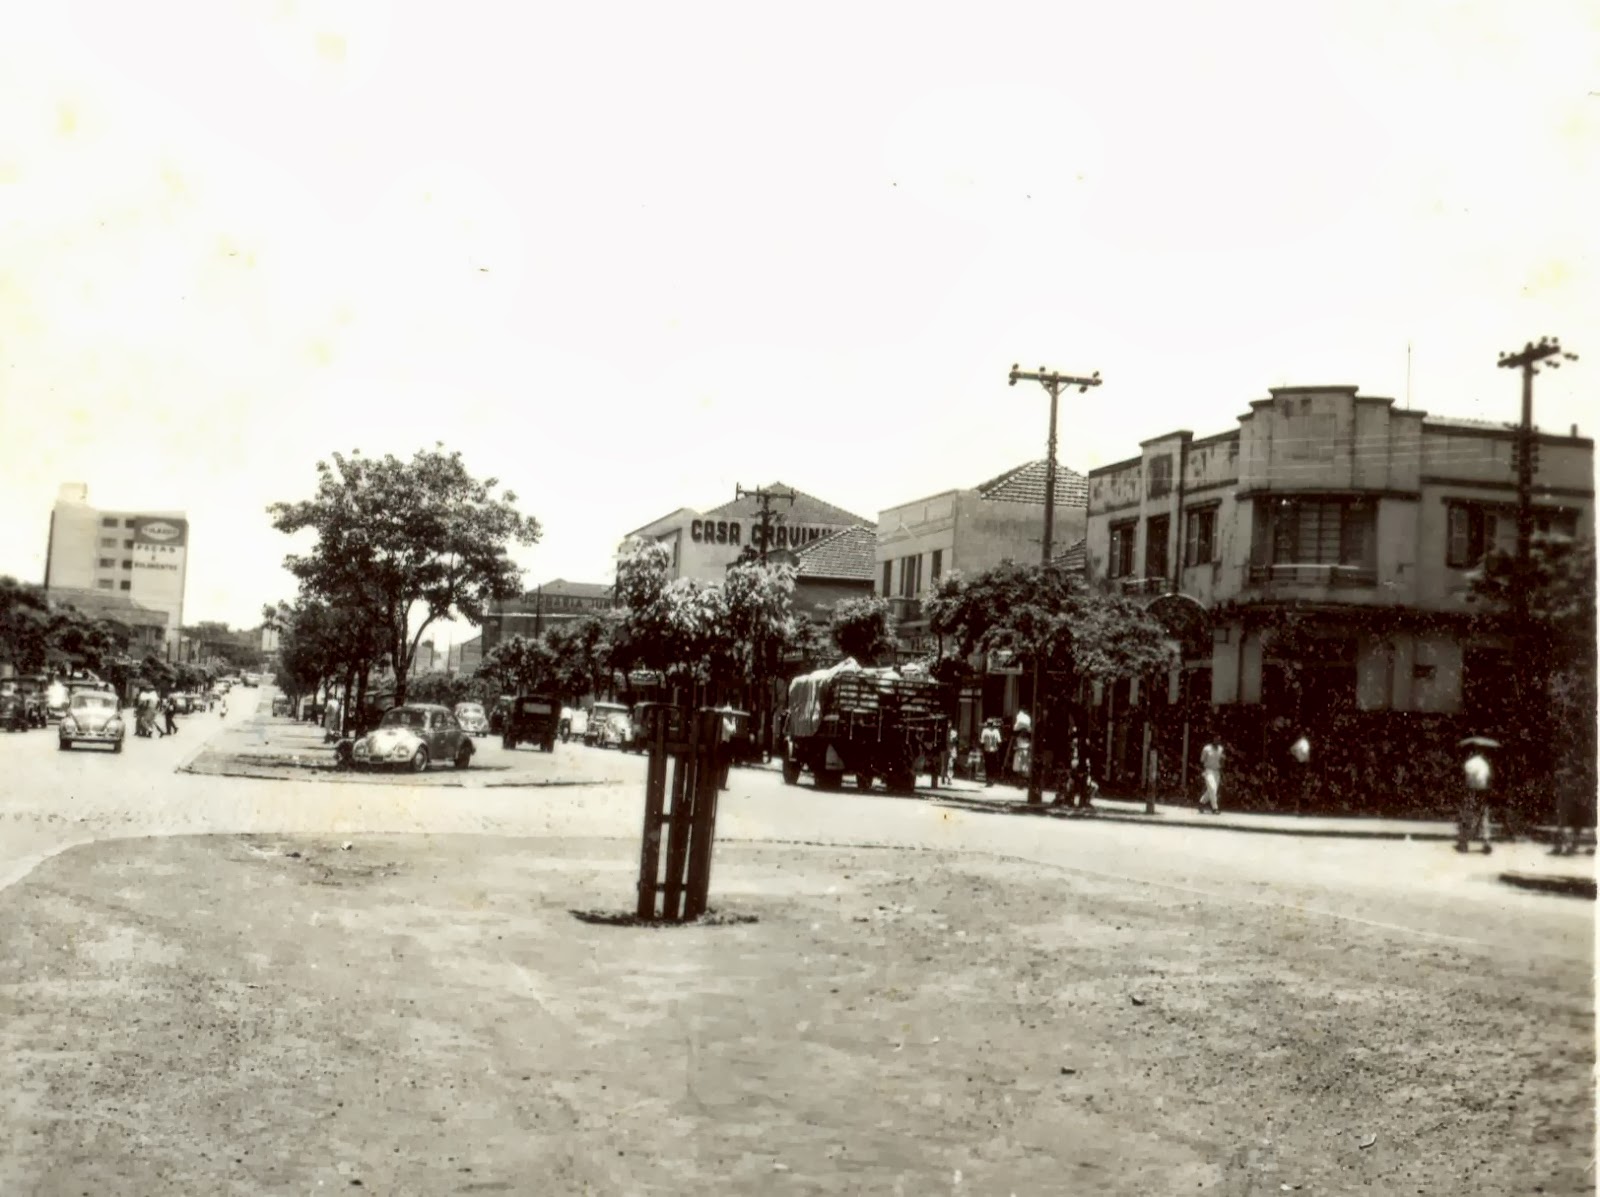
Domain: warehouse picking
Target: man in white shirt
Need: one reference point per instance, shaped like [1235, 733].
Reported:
[1472, 821]
[1211, 768]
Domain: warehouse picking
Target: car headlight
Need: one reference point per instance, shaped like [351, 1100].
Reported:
[113, 724]
[400, 750]
[68, 723]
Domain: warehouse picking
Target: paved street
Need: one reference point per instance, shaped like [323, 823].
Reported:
[1343, 985]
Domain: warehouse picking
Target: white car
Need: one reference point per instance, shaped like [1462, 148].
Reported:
[412, 737]
[472, 718]
[92, 717]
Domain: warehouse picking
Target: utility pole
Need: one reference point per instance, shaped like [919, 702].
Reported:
[766, 497]
[1053, 382]
[1527, 360]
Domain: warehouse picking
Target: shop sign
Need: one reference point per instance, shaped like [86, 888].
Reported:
[732, 532]
[1003, 662]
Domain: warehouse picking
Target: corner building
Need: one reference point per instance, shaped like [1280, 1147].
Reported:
[1314, 565]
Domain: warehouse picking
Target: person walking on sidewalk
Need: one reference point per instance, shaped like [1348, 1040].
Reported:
[1211, 768]
[1301, 751]
[168, 709]
[989, 743]
[1472, 818]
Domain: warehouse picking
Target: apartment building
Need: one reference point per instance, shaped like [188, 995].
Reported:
[1353, 520]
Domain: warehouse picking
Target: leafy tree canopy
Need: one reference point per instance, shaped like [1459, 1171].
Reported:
[861, 628]
[405, 543]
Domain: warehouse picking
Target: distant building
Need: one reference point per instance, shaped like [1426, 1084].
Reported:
[704, 543]
[1357, 521]
[139, 555]
[541, 608]
[147, 625]
[464, 658]
[833, 569]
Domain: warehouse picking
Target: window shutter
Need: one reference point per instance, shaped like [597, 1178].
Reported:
[1459, 553]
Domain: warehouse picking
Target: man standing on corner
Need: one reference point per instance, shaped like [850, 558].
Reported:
[1211, 768]
[989, 742]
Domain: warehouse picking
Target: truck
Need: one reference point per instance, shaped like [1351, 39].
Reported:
[873, 723]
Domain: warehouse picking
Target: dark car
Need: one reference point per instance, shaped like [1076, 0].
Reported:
[13, 711]
[531, 719]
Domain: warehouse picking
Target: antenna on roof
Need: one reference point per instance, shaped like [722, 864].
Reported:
[1408, 375]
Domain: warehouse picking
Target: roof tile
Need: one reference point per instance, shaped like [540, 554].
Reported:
[847, 554]
[1025, 484]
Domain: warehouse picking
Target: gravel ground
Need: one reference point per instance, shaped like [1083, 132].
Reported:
[427, 1014]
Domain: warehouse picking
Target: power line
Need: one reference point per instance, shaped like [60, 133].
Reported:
[1527, 360]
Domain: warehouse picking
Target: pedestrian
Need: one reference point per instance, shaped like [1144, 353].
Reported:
[1211, 769]
[169, 709]
[224, 706]
[953, 753]
[1301, 751]
[989, 744]
[1472, 819]
[1022, 745]
[1571, 815]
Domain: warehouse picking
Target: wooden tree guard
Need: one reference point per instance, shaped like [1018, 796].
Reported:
[686, 747]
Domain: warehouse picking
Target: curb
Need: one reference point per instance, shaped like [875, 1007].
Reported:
[1570, 887]
[332, 777]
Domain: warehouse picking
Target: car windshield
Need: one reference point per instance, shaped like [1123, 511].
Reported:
[469, 708]
[93, 702]
[404, 717]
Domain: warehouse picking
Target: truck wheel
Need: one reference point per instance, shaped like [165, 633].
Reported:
[863, 781]
[791, 772]
[829, 779]
[507, 743]
[901, 783]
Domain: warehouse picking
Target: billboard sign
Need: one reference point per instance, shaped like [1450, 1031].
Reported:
[159, 551]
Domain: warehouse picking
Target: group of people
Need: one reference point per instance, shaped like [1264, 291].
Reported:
[151, 707]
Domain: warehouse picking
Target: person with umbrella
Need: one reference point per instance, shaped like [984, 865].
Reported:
[1472, 821]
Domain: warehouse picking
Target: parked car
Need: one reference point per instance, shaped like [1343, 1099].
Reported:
[413, 737]
[32, 687]
[609, 726]
[574, 722]
[531, 719]
[472, 718]
[13, 711]
[92, 717]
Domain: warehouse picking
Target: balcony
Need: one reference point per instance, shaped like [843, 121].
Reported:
[1312, 575]
[1146, 587]
[906, 610]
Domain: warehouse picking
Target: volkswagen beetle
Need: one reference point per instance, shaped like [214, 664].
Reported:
[412, 737]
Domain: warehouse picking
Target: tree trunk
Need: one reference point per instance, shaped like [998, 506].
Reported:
[362, 671]
[344, 702]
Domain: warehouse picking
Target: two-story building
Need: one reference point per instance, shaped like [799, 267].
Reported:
[542, 608]
[972, 530]
[1314, 563]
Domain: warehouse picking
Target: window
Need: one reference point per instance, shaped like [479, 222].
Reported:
[1160, 475]
[1119, 562]
[937, 567]
[1479, 528]
[104, 583]
[911, 576]
[108, 542]
[1315, 532]
[888, 574]
[127, 564]
[125, 584]
[108, 522]
[128, 523]
[1155, 546]
[128, 544]
[108, 563]
[1200, 538]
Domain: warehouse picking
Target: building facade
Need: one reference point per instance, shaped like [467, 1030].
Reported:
[704, 543]
[973, 530]
[464, 658]
[544, 607]
[139, 555]
[1314, 563]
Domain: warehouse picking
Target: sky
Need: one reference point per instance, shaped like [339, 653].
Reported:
[627, 257]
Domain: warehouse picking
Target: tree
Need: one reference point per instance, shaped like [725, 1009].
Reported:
[1551, 715]
[520, 665]
[25, 619]
[1054, 625]
[860, 628]
[581, 649]
[405, 543]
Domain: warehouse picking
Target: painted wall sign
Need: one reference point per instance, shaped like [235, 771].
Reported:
[732, 532]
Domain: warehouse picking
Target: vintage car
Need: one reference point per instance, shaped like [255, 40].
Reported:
[531, 719]
[472, 718]
[13, 711]
[609, 726]
[497, 714]
[574, 722]
[412, 737]
[92, 717]
[33, 687]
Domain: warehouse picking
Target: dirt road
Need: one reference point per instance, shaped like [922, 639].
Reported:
[427, 1015]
